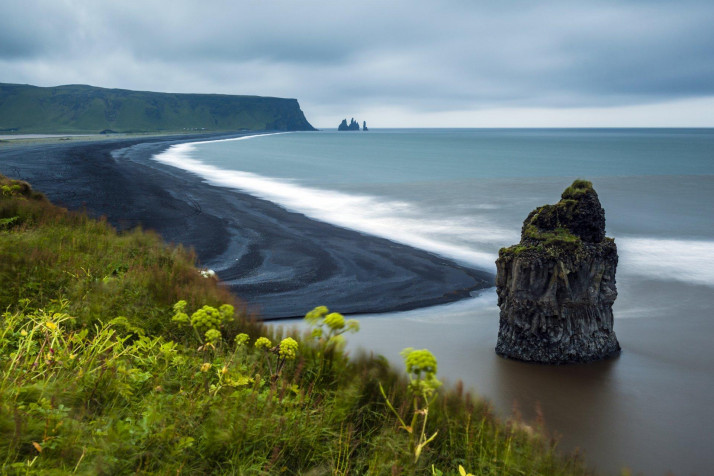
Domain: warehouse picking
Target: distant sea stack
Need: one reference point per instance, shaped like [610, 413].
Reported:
[557, 286]
[352, 126]
[86, 109]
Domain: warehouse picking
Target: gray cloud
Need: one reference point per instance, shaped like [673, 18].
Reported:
[421, 56]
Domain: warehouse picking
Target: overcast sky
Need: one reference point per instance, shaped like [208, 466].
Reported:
[393, 63]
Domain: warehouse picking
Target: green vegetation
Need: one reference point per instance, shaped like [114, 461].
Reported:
[561, 229]
[577, 189]
[118, 357]
[546, 229]
[422, 389]
[535, 240]
[559, 237]
[50, 255]
[86, 109]
[517, 250]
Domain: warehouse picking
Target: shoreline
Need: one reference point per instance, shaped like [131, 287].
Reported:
[281, 263]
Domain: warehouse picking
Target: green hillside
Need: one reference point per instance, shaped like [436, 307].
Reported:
[118, 356]
[87, 109]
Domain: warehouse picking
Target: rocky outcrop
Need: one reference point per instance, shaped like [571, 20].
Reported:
[364, 126]
[353, 125]
[557, 286]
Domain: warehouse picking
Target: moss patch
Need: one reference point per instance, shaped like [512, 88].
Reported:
[577, 189]
[561, 237]
[513, 251]
[567, 223]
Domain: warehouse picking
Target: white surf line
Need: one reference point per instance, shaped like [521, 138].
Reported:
[387, 219]
[246, 137]
[689, 261]
[190, 146]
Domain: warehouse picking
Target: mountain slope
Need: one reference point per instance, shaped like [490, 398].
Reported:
[79, 108]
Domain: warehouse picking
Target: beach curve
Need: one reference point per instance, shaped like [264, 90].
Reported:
[279, 262]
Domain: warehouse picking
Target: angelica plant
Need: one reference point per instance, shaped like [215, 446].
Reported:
[281, 353]
[241, 340]
[421, 369]
[206, 322]
[328, 328]
[213, 336]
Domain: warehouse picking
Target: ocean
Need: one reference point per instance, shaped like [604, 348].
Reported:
[463, 194]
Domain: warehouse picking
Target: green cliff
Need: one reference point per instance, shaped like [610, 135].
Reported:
[87, 109]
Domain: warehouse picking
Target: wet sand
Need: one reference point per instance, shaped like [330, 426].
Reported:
[281, 263]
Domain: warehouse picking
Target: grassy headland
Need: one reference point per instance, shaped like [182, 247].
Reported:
[118, 356]
[69, 109]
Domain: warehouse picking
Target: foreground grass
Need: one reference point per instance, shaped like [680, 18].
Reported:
[102, 372]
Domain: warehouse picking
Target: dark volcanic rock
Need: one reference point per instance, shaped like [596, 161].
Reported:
[353, 125]
[557, 286]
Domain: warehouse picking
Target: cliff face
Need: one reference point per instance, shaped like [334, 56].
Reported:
[557, 286]
[79, 108]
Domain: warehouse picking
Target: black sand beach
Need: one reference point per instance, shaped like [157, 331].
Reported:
[281, 263]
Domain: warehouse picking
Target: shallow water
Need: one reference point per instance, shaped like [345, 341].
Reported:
[464, 194]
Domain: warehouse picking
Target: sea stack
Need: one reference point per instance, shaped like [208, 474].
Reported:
[557, 286]
[352, 126]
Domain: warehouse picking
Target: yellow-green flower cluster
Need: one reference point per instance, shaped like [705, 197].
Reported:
[213, 336]
[241, 339]
[206, 318]
[421, 367]
[335, 320]
[418, 361]
[288, 348]
[263, 343]
[328, 326]
[316, 314]
[227, 311]
[179, 315]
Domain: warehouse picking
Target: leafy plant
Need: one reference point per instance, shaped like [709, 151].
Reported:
[281, 353]
[421, 369]
[328, 327]
[206, 322]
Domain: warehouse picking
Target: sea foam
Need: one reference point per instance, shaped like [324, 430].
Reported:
[690, 261]
[398, 221]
